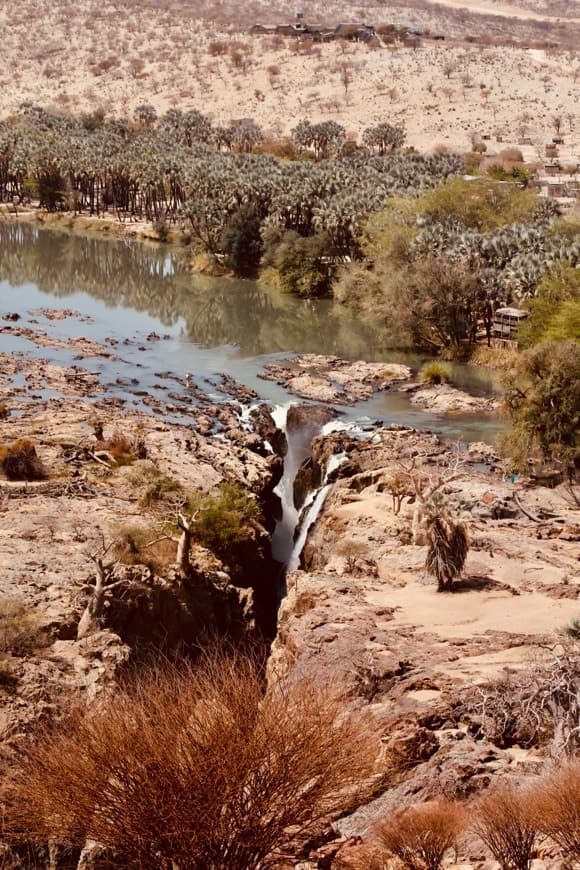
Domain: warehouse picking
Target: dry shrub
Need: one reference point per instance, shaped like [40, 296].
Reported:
[20, 461]
[511, 155]
[4, 411]
[195, 767]
[505, 823]
[362, 856]
[217, 48]
[556, 808]
[354, 554]
[534, 707]
[144, 545]
[283, 148]
[123, 449]
[19, 630]
[420, 836]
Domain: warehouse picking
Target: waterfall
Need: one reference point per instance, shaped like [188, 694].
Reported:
[283, 537]
[334, 462]
[309, 520]
[284, 549]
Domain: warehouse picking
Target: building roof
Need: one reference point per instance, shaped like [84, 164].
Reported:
[512, 312]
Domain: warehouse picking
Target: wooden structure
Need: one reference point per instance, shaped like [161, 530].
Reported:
[351, 32]
[506, 322]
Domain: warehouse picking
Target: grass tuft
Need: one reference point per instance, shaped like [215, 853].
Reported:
[435, 373]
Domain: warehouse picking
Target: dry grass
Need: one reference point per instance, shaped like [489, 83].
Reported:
[19, 631]
[20, 461]
[505, 822]
[556, 809]
[144, 545]
[421, 836]
[435, 373]
[123, 449]
[194, 767]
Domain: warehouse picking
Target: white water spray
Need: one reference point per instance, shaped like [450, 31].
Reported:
[309, 520]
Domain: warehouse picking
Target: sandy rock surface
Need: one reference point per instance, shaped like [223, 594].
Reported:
[333, 380]
[446, 399]
[51, 528]
[363, 612]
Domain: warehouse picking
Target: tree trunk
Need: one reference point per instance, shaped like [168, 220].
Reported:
[182, 562]
[416, 522]
[90, 621]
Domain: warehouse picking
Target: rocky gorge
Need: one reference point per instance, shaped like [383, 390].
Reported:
[359, 607]
[326, 576]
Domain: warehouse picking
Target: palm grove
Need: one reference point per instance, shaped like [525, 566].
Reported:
[400, 235]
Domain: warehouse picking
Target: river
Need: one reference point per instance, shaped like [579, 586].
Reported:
[129, 289]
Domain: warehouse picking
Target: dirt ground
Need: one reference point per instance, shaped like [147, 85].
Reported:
[442, 92]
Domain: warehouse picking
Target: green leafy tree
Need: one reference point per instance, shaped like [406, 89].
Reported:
[555, 309]
[302, 264]
[542, 400]
[242, 242]
[442, 310]
[225, 517]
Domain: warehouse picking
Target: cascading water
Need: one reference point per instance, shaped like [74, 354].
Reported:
[298, 450]
[308, 522]
[285, 549]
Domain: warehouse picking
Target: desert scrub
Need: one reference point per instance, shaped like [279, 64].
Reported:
[193, 767]
[435, 373]
[572, 630]
[421, 836]
[20, 461]
[155, 487]
[225, 517]
[19, 630]
[144, 545]
[505, 821]
[352, 551]
[122, 449]
[556, 809]
[4, 411]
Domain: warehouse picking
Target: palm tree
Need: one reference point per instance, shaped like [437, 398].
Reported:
[447, 544]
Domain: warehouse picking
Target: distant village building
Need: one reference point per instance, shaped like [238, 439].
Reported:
[352, 32]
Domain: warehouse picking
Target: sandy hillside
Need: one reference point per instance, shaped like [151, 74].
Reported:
[538, 10]
[442, 92]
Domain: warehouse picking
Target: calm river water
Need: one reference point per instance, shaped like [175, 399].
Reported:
[130, 289]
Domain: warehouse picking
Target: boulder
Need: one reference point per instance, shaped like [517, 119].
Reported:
[305, 416]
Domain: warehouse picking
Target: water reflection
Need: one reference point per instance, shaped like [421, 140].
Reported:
[156, 281]
[130, 289]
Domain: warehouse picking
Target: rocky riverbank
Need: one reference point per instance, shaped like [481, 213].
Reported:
[360, 609]
[108, 475]
[331, 379]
